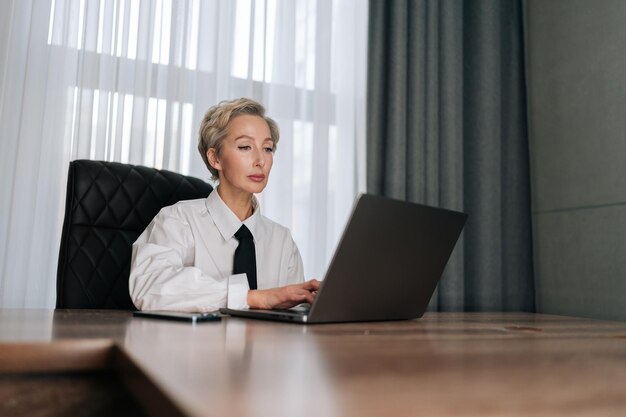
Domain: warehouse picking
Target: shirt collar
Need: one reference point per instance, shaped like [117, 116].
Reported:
[228, 223]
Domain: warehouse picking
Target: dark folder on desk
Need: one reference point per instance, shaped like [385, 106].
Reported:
[386, 266]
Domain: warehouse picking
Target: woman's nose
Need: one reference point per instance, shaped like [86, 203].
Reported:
[259, 160]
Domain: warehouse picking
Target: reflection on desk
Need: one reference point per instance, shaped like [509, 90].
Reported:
[473, 364]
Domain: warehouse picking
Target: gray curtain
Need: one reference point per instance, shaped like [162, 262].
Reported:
[447, 127]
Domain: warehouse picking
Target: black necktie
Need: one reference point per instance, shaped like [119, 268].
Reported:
[245, 257]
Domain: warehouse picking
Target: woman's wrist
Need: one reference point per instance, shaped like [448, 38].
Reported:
[250, 299]
[254, 299]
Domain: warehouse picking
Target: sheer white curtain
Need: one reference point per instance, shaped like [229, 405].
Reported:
[129, 80]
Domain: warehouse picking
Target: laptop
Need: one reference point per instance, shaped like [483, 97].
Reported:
[386, 265]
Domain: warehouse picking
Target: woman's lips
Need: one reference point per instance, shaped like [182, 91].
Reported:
[257, 178]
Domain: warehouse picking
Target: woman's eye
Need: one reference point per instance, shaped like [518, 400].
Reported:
[245, 148]
[268, 150]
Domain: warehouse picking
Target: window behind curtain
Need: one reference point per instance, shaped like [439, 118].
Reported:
[134, 79]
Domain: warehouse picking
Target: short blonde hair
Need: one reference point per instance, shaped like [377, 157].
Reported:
[214, 126]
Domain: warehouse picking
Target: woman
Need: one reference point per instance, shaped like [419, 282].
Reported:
[201, 255]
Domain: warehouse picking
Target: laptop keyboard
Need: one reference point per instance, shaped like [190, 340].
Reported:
[301, 309]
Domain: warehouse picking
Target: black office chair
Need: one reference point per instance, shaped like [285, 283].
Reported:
[108, 205]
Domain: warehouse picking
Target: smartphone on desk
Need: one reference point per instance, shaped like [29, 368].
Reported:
[179, 316]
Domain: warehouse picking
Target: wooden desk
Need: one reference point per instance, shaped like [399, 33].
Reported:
[445, 364]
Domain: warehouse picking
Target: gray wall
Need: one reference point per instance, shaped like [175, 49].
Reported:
[576, 52]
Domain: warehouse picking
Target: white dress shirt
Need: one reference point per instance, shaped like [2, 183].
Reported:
[183, 261]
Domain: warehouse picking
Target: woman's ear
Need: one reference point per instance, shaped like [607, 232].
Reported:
[212, 158]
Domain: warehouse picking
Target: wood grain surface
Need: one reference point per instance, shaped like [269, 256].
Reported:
[445, 364]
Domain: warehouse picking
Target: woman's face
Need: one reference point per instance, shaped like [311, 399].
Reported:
[247, 155]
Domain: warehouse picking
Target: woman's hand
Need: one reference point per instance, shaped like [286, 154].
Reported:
[284, 297]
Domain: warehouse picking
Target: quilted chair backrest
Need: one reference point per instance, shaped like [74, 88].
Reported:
[108, 205]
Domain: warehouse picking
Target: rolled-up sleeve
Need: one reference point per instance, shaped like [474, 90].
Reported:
[163, 275]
